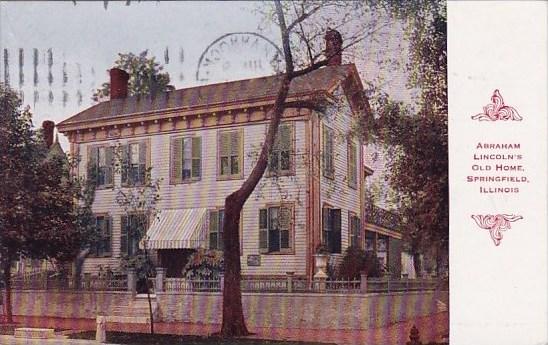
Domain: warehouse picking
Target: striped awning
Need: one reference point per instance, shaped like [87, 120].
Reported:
[178, 229]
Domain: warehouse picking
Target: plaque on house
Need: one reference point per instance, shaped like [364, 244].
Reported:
[254, 260]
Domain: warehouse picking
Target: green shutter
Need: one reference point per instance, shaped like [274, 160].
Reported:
[124, 161]
[93, 152]
[109, 168]
[336, 218]
[263, 230]
[196, 157]
[213, 229]
[124, 235]
[107, 236]
[176, 160]
[325, 226]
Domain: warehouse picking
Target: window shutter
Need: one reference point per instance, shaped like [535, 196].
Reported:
[263, 230]
[124, 161]
[285, 137]
[358, 232]
[325, 227]
[235, 137]
[176, 160]
[143, 154]
[109, 169]
[213, 229]
[108, 236]
[285, 227]
[352, 158]
[324, 146]
[124, 236]
[224, 143]
[92, 163]
[336, 218]
[196, 157]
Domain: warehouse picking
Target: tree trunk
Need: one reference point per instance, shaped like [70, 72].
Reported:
[8, 313]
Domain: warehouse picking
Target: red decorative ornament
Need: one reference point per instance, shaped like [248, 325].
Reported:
[496, 224]
[497, 110]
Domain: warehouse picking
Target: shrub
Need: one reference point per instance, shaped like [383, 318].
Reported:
[356, 261]
[204, 265]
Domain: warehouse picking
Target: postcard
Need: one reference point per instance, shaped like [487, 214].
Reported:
[283, 172]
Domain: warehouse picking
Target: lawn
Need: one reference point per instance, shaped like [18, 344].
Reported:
[169, 339]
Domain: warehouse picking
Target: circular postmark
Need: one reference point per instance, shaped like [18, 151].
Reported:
[238, 55]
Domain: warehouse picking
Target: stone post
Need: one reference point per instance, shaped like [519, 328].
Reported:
[160, 276]
[290, 281]
[100, 335]
[363, 282]
[222, 281]
[131, 281]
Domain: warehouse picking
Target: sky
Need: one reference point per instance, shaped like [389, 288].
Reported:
[57, 53]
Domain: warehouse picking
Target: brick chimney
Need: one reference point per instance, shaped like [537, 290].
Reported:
[48, 128]
[118, 83]
[333, 47]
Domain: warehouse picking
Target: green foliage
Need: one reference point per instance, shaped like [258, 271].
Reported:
[356, 261]
[204, 265]
[145, 76]
[416, 138]
[141, 263]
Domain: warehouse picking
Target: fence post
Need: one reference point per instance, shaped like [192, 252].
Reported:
[160, 276]
[131, 281]
[388, 282]
[406, 279]
[290, 281]
[222, 281]
[363, 282]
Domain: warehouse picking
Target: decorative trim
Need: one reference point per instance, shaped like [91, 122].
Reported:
[496, 224]
[497, 111]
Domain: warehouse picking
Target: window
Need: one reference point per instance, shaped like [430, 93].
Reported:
[327, 140]
[275, 229]
[134, 226]
[216, 229]
[354, 227]
[281, 156]
[352, 165]
[369, 241]
[134, 163]
[101, 166]
[331, 231]
[102, 246]
[230, 154]
[186, 159]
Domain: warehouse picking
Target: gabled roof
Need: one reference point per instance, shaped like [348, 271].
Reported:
[241, 91]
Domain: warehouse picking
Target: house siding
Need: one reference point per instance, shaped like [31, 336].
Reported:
[209, 192]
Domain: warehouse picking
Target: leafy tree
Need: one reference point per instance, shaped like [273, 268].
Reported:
[416, 137]
[355, 261]
[145, 76]
[39, 201]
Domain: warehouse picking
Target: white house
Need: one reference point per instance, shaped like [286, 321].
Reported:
[202, 143]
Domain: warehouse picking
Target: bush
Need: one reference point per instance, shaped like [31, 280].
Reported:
[356, 261]
[204, 265]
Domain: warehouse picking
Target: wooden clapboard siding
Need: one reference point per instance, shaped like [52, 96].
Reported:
[209, 192]
[335, 192]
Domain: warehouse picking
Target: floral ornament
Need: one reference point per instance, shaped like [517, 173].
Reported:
[497, 110]
[496, 224]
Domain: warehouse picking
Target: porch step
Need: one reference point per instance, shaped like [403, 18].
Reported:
[35, 333]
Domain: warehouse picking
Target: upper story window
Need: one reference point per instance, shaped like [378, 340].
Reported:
[216, 218]
[327, 152]
[276, 229]
[134, 227]
[331, 229]
[352, 164]
[281, 160]
[355, 228]
[230, 162]
[186, 159]
[102, 246]
[101, 165]
[134, 163]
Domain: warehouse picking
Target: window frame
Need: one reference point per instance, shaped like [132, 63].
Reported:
[353, 219]
[292, 142]
[240, 173]
[352, 147]
[127, 234]
[123, 166]
[337, 245]
[172, 161]
[111, 167]
[290, 250]
[94, 248]
[328, 134]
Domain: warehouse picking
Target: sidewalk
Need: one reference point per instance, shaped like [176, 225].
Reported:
[431, 328]
[11, 340]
